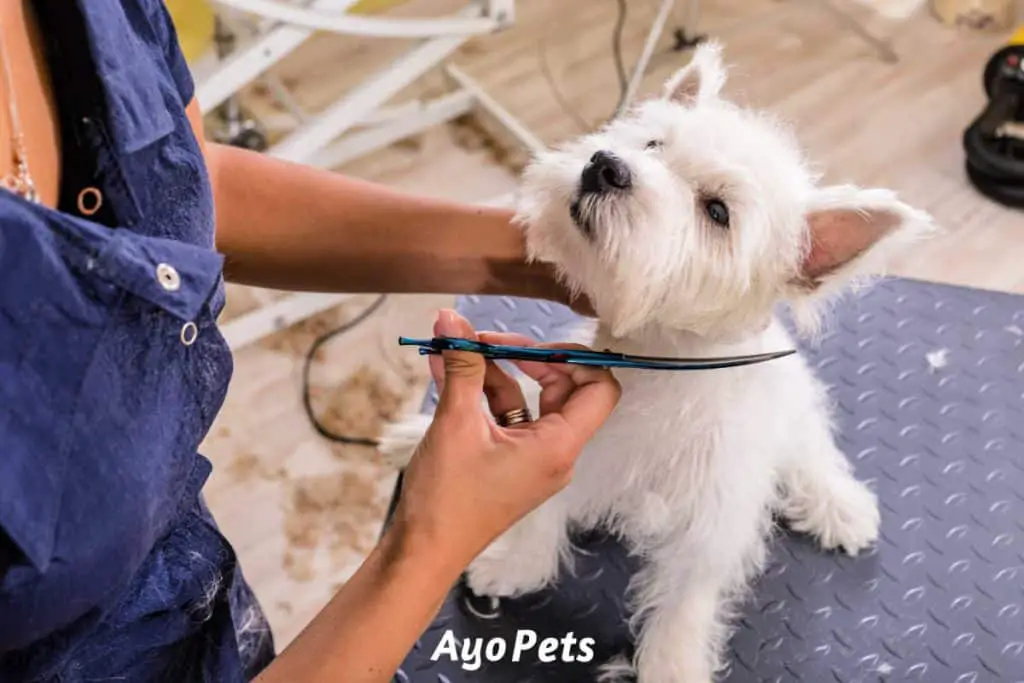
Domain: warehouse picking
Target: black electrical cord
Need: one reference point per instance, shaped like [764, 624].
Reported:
[682, 41]
[306, 401]
[620, 68]
[563, 103]
[344, 438]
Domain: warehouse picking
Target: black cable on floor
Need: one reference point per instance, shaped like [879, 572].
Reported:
[306, 401]
[556, 92]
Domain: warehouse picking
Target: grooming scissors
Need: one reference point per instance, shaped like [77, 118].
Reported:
[604, 359]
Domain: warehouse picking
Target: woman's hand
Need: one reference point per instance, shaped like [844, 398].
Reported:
[468, 482]
[470, 479]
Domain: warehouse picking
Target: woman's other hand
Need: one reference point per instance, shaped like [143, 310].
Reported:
[468, 481]
[471, 479]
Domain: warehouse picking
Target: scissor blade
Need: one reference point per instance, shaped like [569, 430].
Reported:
[620, 361]
[687, 364]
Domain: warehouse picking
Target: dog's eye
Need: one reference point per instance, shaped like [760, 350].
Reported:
[717, 211]
[653, 144]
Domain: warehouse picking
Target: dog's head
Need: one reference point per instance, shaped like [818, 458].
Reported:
[692, 213]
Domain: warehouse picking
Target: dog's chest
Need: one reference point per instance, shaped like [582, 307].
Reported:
[664, 428]
[678, 436]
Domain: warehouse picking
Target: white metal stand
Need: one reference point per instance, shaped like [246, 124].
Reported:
[358, 123]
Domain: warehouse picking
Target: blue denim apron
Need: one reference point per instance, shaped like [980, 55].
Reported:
[111, 372]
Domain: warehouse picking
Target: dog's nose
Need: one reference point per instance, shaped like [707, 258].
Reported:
[604, 172]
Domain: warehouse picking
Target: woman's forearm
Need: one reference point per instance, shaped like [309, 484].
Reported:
[287, 226]
[370, 625]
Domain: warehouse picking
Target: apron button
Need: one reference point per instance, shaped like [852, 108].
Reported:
[168, 277]
[89, 201]
[189, 333]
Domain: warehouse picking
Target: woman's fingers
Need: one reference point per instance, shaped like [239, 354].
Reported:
[556, 384]
[462, 372]
[587, 408]
[502, 391]
[536, 370]
[435, 362]
[558, 381]
[542, 373]
[582, 374]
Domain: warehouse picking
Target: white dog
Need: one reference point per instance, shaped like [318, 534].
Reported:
[686, 222]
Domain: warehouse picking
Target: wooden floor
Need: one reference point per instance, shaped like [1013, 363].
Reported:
[302, 512]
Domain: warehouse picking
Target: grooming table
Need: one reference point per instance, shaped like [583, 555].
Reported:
[930, 385]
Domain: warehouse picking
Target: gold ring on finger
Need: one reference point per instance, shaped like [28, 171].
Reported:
[514, 417]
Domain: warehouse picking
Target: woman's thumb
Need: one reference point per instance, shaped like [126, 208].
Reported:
[463, 380]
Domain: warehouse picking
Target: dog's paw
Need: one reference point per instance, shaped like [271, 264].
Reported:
[845, 517]
[506, 575]
[652, 670]
[617, 670]
[676, 653]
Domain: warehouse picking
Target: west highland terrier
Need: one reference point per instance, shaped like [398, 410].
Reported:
[687, 222]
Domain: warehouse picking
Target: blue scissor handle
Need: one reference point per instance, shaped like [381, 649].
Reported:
[607, 359]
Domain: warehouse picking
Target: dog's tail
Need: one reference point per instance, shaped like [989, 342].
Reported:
[400, 438]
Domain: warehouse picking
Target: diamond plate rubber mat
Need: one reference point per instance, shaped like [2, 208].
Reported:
[930, 385]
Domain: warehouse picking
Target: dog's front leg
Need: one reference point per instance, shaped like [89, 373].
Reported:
[526, 557]
[821, 496]
[683, 597]
[678, 642]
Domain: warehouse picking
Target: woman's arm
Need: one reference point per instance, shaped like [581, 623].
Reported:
[468, 482]
[287, 226]
[369, 626]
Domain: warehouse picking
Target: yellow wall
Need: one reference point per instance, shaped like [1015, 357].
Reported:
[194, 21]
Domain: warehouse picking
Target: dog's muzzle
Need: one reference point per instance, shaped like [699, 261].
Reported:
[604, 174]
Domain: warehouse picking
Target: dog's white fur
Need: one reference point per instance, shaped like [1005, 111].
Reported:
[691, 466]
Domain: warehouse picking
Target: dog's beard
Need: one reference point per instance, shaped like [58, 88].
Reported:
[576, 213]
[592, 212]
[583, 212]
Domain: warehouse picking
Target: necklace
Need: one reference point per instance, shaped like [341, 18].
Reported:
[20, 181]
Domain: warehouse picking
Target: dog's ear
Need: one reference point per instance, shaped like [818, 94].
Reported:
[853, 233]
[701, 79]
